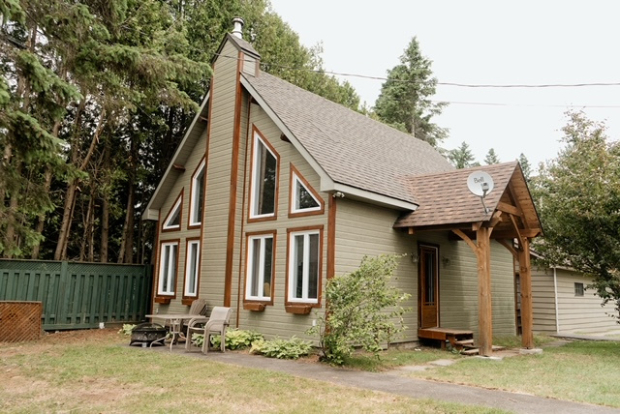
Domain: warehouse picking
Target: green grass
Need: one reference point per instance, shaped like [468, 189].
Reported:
[394, 358]
[583, 371]
[102, 376]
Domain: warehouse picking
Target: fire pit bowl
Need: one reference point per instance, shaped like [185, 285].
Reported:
[145, 333]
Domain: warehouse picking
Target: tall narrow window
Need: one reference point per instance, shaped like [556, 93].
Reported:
[168, 268]
[304, 199]
[197, 195]
[191, 268]
[173, 219]
[304, 266]
[259, 277]
[264, 179]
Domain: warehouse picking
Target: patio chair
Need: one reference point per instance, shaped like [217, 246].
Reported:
[217, 324]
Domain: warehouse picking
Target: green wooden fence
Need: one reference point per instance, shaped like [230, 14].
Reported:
[79, 295]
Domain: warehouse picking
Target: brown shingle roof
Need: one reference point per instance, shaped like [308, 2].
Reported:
[353, 149]
[445, 199]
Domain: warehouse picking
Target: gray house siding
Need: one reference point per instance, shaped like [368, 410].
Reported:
[575, 314]
[364, 229]
[274, 320]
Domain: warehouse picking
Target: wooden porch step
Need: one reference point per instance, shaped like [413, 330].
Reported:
[476, 351]
[465, 342]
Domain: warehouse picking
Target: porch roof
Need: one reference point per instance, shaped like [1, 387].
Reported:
[446, 202]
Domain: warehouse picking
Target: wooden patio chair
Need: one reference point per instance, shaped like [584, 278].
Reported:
[216, 325]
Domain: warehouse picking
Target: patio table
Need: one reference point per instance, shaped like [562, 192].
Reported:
[176, 325]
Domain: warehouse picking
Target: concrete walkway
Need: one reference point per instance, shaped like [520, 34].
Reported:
[397, 384]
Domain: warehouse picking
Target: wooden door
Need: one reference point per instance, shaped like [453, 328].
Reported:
[428, 287]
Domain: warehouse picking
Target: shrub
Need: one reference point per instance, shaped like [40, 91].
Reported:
[235, 339]
[126, 329]
[357, 314]
[292, 348]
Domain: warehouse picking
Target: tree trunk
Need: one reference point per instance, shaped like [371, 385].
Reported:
[67, 217]
[126, 254]
[105, 205]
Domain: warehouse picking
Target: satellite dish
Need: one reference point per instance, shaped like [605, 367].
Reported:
[480, 183]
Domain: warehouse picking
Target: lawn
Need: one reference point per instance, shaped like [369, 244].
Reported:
[583, 371]
[94, 371]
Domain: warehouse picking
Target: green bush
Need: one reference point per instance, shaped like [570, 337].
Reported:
[235, 339]
[292, 348]
[357, 310]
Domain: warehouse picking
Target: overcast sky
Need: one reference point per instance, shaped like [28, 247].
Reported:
[480, 42]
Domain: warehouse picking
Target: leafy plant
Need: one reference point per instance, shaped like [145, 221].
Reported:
[126, 329]
[356, 313]
[235, 339]
[292, 348]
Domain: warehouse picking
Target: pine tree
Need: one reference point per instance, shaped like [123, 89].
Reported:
[462, 157]
[525, 166]
[405, 99]
[491, 158]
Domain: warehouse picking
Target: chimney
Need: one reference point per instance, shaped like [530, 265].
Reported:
[238, 27]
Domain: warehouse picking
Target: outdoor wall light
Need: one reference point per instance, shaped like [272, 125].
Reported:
[445, 261]
[414, 258]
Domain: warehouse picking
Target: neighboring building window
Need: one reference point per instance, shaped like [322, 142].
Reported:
[264, 179]
[168, 268]
[303, 197]
[578, 289]
[304, 266]
[197, 195]
[191, 268]
[173, 220]
[259, 277]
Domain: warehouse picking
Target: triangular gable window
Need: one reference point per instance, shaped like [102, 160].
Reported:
[304, 198]
[173, 221]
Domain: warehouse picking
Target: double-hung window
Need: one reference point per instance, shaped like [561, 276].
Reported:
[264, 179]
[191, 268]
[260, 267]
[168, 268]
[304, 266]
[197, 195]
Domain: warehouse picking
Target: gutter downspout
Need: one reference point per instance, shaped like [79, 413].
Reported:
[555, 297]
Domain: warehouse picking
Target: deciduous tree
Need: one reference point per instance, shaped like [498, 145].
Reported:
[579, 202]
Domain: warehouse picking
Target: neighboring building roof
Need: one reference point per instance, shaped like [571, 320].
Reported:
[446, 200]
[351, 148]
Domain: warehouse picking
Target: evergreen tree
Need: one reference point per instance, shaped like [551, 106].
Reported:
[491, 158]
[525, 166]
[405, 99]
[462, 157]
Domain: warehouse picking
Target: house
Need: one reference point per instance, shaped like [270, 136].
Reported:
[275, 190]
[562, 303]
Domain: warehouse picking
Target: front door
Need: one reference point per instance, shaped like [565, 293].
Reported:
[428, 274]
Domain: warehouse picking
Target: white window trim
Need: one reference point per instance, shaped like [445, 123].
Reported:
[306, 268]
[193, 206]
[188, 275]
[297, 181]
[261, 267]
[167, 248]
[254, 188]
[175, 207]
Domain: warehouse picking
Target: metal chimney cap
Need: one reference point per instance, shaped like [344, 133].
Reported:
[238, 27]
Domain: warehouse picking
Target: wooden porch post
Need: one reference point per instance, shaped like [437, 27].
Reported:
[527, 317]
[485, 308]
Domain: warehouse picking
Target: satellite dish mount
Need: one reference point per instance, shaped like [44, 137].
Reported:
[480, 184]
